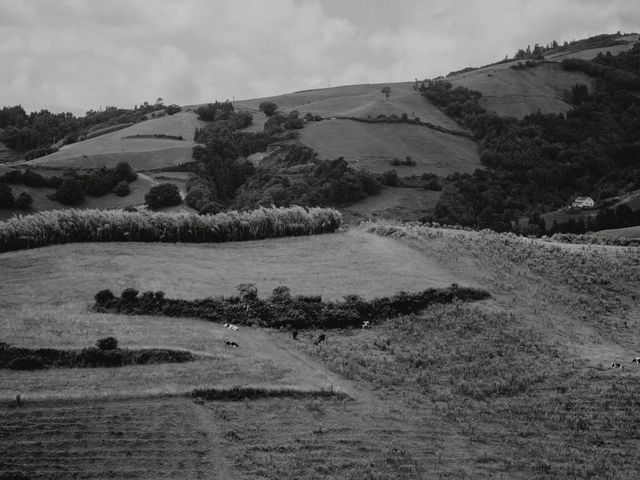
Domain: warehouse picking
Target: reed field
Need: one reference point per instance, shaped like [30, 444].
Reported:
[66, 226]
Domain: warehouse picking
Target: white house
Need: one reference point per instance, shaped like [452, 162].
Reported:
[583, 202]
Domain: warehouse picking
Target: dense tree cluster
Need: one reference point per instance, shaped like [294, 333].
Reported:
[72, 187]
[539, 163]
[36, 133]
[294, 175]
[163, 195]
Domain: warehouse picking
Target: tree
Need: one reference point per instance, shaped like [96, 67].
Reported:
[125, 172]
[387, 92]
[268, 108]
[122, 189]
[69, 192]
[163, 195]
[6, 196]
[24, 201]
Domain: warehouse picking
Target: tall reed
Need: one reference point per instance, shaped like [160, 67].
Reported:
[67, 226]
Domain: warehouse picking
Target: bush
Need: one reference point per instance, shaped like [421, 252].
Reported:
[24, 201]
[173, 108]
[163, 195]
[129, 294]
[122, 189]
[6, 196]
[123, 171]
[29, 362]
[268, 108]
[390, 178]
[107, 343]
[104, 296]
[69, 192]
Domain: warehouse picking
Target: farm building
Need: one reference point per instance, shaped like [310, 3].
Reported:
[583, 202]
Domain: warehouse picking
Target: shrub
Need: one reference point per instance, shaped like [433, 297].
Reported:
[122, 189]
[129, 294]
[268, 108]
[104, 296]
[69, 192]
[390, 178]
[173, 108]
[24, 201]
[29, 362]
[107, 343]
[6, 196]
[123, 171]
[163, 195]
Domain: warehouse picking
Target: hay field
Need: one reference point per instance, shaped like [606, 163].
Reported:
[373, 146]
[141, 153]
[518, 93]
[358, 101]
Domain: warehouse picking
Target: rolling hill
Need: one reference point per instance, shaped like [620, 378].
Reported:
[135, 145]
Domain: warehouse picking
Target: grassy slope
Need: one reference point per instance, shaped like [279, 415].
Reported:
[429, 390]
[141, 153]
[63, 279]
[393, 202]
[373, 146]
[518, 93]
[108, 201]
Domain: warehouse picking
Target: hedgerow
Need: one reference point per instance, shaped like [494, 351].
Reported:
[105, 354]
[68, 226]
[281, 309]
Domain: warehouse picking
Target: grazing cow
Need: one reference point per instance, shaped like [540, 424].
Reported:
[636, 360]
[366, 324]
[617, 365]
[294, 334]
[229, 343]
[321, 338]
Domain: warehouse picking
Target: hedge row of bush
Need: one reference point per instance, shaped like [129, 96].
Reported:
[393, 118]
[281, 309]
[16, 358]
[67, 226]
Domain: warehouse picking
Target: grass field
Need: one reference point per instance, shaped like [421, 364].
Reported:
[141, 153]
[518, 386]
[393, 202]
[373, 146]
[356, 101]
[518, 93]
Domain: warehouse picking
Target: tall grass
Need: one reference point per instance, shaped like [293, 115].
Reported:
[67, 226]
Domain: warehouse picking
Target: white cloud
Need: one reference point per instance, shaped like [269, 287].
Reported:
[80, 54]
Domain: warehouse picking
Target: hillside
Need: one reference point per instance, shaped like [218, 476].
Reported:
[142, 153]
[502, 385]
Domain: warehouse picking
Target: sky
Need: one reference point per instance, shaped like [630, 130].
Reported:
[77, 55]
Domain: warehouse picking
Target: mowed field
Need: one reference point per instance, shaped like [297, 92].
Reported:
[62, 280]
[140, 153]
[517, 93]
[373, 146]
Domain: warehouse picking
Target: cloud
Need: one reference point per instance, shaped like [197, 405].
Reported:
[77, 54]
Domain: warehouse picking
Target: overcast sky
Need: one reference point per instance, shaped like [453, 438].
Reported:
[84, 54]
